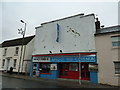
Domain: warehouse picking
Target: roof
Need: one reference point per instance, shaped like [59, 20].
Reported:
[108, 30]
[81, 15]
[17, 42]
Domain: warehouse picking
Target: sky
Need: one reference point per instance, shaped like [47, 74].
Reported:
[34, 13]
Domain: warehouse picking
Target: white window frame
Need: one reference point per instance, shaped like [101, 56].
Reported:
[16, 50]
[3, 63]
[14, 63]
[5, 51]
[117, 67]
[115, 41]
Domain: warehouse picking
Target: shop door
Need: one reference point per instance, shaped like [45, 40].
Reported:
[85, 74]
[64, 70]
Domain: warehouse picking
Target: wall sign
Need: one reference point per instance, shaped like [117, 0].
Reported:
[93, 67]
[53, 67]
[74, 59]
[41, 59]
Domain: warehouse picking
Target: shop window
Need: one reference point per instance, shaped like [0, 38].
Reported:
[73, 67]
[115, 41]
[44, 68]
[117, 67]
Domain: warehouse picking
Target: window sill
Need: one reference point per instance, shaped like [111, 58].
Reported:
[46, 73]
[2, 67]
[115, 47]
[16, 55]
[117, 75]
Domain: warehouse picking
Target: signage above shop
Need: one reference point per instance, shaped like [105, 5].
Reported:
[85, 58]
[74, 59]
[41, 59]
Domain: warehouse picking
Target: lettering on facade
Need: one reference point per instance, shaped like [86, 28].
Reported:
[41, 59]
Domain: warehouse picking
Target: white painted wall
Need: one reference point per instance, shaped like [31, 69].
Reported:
[46, 35]
[11, 53]
[0, 58]
[28, 56]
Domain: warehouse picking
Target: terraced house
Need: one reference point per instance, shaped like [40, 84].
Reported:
[11, 54]
[108, 55]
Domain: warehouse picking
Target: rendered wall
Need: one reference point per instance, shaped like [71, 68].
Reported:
[69, 42]
[106, 55]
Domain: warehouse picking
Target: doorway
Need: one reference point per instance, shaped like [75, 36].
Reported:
[85, 74]
[7, 64]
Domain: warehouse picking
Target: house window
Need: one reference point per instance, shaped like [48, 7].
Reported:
[44, 68]
[14, 64]
[16, 51]
[117, 67]
[5, 51]
[115, 40]
[3, 63]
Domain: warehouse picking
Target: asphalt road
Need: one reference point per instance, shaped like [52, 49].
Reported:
[10, 83]
[15, 83]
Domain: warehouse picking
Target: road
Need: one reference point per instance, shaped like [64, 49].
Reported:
[15, 83]
[25, 84]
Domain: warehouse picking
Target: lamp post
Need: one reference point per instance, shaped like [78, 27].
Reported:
[79, 69]
[22, 32]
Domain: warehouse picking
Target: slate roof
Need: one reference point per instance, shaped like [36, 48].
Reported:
[107, 30]
[17, 42]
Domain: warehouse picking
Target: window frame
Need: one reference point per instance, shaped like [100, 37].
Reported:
[45, 70]
[14, 64]
[16, 50]
[75, 65]
[115, 42]
[3, 63]
[117, 70]
[5, 51]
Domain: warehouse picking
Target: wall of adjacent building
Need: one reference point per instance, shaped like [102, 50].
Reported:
[106, 55]
[0, 58]
[69, 42]
[25, 64]
[11, 54]
[28, 56]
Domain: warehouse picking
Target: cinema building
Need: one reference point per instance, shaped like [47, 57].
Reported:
[62, 46]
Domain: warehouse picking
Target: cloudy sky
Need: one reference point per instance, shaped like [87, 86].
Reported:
[35, 13]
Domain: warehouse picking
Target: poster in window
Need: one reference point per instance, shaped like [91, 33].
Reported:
[53, 67]
[93, 67]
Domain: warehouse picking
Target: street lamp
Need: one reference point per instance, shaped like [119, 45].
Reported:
[79, 69]
[22, 32]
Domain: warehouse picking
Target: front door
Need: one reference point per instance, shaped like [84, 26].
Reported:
[85, 74]
[7, 64]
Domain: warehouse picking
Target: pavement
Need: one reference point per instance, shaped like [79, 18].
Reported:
[69, 83]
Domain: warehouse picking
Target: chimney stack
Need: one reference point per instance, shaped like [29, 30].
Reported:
[97, 24]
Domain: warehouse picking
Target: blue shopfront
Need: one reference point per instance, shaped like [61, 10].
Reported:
[71, 66]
